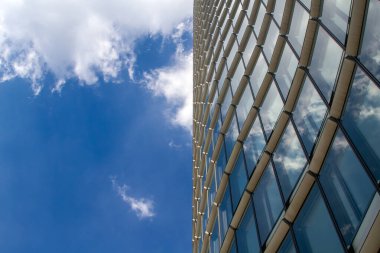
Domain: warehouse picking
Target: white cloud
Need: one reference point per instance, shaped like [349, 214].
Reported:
[175, 82]
[141, 206]
[79, 39]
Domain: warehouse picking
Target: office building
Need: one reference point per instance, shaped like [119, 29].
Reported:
[286, 146]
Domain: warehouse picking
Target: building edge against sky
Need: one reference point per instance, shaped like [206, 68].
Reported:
[286, 129]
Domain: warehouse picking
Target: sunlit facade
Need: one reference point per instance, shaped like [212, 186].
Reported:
[286, 146]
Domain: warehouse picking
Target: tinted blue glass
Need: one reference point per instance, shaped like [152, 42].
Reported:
[349, 189]
[271, 109]
[267, 202]
[287, 246]
[289, 160]
[238, 180]
[212, 191]
[335, 16]
[225, 213]
[246, 234]
[270, 40]
[254, 145]
[244, 106]
[286, 69]
[309, 114]
[298, 27]
[226, 103]
[221, 164]
[325, 62]
[361, 119]
[313, 227]
[231, 136]
[214, 242]
[216, 131]
[258, 74]
[370, 51]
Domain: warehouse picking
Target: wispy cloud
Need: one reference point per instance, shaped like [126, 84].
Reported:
[143, 208]
[175, 82]
[84, 39]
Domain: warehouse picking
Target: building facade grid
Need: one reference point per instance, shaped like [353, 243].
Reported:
[286, 126]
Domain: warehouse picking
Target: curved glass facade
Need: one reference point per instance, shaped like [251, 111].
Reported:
[286, 127]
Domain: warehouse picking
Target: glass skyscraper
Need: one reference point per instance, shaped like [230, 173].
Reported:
[286, 145]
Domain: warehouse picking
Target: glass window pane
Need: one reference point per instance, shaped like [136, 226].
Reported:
[270, 40]
[244, 106]
[254, 145]
[370, 51]
[286, 69]
[335, 16]
[247, 234]
[289, 160]
[361, 119]
[267, 202]
[227, 102]
[307, 3]
[259, 20]
[249, 49]
[287, 246]
[231, 136]
[325, 62]
[313, 227]
[278, 11]
[225, 213]
[258, 74]
[349, 189]
[309, 114]
[298, 27]
[238, 180]
[220, 164]
[214, 242]
[237, 77]
[271, 109]
[243, 27]
[231, 56]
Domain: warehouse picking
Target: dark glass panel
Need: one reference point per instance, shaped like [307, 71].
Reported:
[349, 190]
[361, 119]
[238, 180]
[247, 238]
[314, 229]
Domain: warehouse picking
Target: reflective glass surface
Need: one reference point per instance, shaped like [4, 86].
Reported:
[214, 242]
[325, 62]
[244, 106]
[231, 136]
[225, 212]
[259, 19]
[267, 201]
[243, 27]
[238, 180]
[232, 54]
[249, 48]
[237, 76]
[348, 186]
[254, 145]
[308, 114]
[226, 102]
[270, 41]
[370, 51]
[271, 109]
[286, 69]
[287, 246]
[314, 229]
[258, 74]
[221, 164]
[361, 119]
[289, 160]
[307, 3]
[247, 238]
[335, 16]
[278, 11]
[298, 27]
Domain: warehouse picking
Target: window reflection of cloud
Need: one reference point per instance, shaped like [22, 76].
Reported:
[244, 106]
[325, 62]
[370, 52]
[258, 74]
[271, 108]
[254, 144]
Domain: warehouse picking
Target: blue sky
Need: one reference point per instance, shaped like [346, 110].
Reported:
[95, 126]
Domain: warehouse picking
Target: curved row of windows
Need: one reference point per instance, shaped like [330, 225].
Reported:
[248, 79]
